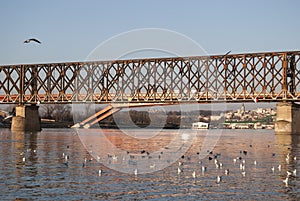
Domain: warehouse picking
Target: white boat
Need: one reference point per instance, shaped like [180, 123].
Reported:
[200, 125]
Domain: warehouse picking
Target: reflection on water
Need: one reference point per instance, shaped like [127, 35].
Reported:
[54, 165]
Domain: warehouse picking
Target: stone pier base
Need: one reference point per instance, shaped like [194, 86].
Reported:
[288, 119]
[26, 119]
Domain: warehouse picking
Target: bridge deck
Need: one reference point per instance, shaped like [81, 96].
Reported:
[100, 99]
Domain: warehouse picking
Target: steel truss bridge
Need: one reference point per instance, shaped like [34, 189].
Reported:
[267, 76]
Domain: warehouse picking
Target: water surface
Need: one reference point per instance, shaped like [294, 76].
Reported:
[54, 165]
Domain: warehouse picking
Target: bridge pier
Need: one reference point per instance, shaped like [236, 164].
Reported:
[287, 119]
[26, 119]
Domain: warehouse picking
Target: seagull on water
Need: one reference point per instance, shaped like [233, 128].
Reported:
[244, 173]
[219, 179]
[279, 168]
[152, 166]
[194, 174]
[286, 181]
[273, 169]
[179, 170]
[135, 172]
[32, 40]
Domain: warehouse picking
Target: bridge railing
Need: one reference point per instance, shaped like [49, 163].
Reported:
[271, 76]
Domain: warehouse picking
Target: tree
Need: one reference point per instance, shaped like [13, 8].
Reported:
[58, 112]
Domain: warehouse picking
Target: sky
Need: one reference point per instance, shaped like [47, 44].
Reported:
[71, 29]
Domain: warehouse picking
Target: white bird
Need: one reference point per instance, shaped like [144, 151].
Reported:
[135, 172]
[23, 159]
[255, 163]
[32, 40]
[203, 168]
[241, 166]
[288, 173]
[98, 158]
[227, 171]
[273, 169]
[194, 174]
[219, 179]
[179, 170]
[217, 166]
[234, 160]
[295, 172]
[100, 172]
[279, 168]
[244, 173]
[152, 166]
[286, 181]
[287, 158]
[295, 158]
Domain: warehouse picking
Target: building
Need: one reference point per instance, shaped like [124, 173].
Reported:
[200, 125]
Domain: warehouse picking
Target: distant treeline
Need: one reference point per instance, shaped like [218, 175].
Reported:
[63, 115]
[156, 119]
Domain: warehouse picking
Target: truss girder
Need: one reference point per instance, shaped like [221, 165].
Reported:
[271, 76]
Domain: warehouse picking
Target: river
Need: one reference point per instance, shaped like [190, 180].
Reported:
[148, 164]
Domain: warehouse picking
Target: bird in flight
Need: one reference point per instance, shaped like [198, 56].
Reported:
[32, 40]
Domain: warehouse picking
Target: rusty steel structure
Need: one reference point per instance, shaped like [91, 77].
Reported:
[268, 76]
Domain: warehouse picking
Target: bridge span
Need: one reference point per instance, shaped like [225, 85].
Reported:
[266, 76]
[269, 76]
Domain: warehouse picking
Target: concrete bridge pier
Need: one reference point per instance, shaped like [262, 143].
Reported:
[26, 119]
[288, 118]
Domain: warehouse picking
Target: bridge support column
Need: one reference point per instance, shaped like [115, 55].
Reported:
[288, 119]
[26, 119]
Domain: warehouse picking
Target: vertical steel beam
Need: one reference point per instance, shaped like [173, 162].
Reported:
[22, 83]
[291, 75]
[284, 85]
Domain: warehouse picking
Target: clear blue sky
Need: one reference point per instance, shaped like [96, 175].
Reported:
[71, 29]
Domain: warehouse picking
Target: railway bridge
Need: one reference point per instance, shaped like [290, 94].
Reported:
[263, 77]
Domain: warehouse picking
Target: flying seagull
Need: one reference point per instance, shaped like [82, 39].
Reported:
[32, 40]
